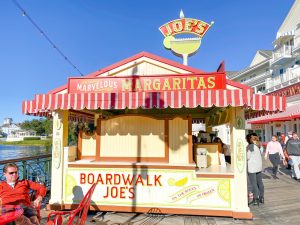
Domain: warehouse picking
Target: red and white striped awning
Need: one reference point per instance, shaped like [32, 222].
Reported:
[132, 100]
[291, 112]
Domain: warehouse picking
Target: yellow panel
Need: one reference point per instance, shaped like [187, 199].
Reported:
[88, 146]
[178, 141]
[144, 68]
[132, 136]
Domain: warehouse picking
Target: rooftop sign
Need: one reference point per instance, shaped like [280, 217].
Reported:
[184, 47]
[185, 25]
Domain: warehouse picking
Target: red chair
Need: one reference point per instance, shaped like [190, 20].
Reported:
[77, 216]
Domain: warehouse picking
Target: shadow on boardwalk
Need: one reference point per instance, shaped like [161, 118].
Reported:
[282, 207]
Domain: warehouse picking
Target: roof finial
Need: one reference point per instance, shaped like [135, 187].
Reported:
[181, 15]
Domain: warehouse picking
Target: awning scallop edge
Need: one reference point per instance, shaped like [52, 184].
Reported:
[44, 103]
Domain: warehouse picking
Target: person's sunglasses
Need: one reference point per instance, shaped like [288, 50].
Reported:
[11, 173]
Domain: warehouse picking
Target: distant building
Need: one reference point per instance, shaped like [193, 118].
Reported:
[9, 128]
[13, 132]
[24, 133]
[277, 72]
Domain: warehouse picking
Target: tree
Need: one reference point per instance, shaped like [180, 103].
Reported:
[41, 126]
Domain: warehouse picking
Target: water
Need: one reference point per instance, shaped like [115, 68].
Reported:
[15, 152]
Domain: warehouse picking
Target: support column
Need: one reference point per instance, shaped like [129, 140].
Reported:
[98, 139]
[239, 161]
[59, 141]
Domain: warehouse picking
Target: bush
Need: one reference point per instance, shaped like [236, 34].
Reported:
[31, 138]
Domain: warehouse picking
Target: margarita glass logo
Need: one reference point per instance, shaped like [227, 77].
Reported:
[184, 47]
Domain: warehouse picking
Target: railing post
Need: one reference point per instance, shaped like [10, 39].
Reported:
[24, 170]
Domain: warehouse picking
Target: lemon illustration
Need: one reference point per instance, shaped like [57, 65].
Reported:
[70, 183]
[224, 190]
[171, 182]
[167, 41]
[181, 182]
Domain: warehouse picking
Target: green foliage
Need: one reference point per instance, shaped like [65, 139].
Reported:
[31, 138]
[2, 134]
[47, 143]
[73, 133]
[75, 127]
[41, 126]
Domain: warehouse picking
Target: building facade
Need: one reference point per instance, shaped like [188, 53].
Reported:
[277, 72]
[13, 132]
[9, 128]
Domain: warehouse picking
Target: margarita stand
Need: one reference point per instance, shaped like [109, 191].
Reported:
[141, 150]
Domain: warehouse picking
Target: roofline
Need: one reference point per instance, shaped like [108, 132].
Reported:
[237, 84]
[130, 59]
[263, 52]
[247, 69]
[285, 21]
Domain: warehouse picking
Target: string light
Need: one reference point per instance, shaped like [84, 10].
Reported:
[24, 13]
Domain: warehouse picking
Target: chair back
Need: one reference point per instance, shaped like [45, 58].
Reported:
[33, 196]
[79, 215]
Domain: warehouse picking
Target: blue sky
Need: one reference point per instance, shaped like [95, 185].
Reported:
[94, 34]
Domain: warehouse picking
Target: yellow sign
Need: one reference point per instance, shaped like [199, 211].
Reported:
[147, 188]
[184, 46]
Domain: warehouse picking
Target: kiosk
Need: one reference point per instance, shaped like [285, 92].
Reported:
[141, 152]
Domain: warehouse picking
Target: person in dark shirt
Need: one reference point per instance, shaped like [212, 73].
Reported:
[293, 154]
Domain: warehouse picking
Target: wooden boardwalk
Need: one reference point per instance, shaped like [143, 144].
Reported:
[282, 200]
[282, 207]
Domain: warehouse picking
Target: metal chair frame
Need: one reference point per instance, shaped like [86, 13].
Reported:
[77, 216]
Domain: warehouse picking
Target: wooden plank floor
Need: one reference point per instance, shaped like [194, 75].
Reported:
[282, 200]
[282, 207]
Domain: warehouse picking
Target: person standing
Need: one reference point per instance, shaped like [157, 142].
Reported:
[225, 149]
[254, 163]
[293, 153]
[16, 192]
[282, 140]
[289, 161]
[273, 152]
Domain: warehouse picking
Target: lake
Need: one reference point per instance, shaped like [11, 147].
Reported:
[15, 152]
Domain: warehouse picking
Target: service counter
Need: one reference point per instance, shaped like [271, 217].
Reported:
[216, 171]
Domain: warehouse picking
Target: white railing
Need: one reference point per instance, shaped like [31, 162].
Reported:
[284, 51]
[294, 73]
[296, 43]
[291, 76]
[262, 76]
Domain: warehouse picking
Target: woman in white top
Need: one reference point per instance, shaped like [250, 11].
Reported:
[273, 152]
[254, 166]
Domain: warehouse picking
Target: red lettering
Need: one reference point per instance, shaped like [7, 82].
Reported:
[107, 192]
[91, 178]
[117, 179]
[122, 192]
[156, 180]
[148, 181]
[139, 180]
[82, 178]
[114, 192]
[127, 181]
[108, 178]
[99, 179]
[131, 191]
